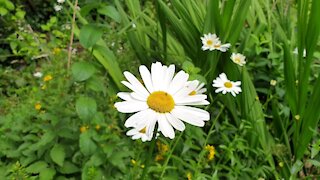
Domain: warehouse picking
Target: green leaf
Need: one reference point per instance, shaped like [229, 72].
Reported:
[87, 146]
[111, 12]
[47, 138]
[89, 35]
[47, 174]
[68, 168]
[58, 154]
[297, 166]
[86, 107]
[3, 11]
[37, 167]
[82, 71]
[97, 84]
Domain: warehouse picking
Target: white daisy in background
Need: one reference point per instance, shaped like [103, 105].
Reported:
[139, 134]
[38, 74]
[224, 85]
[238, 59]
[57, 8]
[60, 1]
[296, 52]
[196, 87]
[212, 42]
[164, 99]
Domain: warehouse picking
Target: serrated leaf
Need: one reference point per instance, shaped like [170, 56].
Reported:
[47, 138]
[87, 146]
[82, 71]
[58, 154]
[47, 174]
[111, 12]
[86, 107]
[37, 167]
[89, 35]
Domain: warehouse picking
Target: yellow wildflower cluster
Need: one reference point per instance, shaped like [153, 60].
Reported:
[211, 151]
[162, 149]
[47, 78]
[37, 106]
[84, 128]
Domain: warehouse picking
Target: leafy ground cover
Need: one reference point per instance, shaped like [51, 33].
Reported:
[163, 89]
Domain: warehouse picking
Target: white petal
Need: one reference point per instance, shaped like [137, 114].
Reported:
[125, 96]
[138, 118]
[176, 123]
[187, 117]
[132, 132]
[178, 82]
[152, 123]
[146, 77]
[137, 96]
[131, 106]
[165, 127]
[139, 88]
[204, 102]
[202, 114]
[156, 75]
[189, 99]
[168, 77]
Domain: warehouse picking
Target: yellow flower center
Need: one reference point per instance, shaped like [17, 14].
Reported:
[160, 101]
[193, 93]
[237, 60]
[209, 42]
[143, 131]
[228, 84]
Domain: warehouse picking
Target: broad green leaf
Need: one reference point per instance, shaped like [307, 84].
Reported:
[68, 168]
[111, 12]
[86, 107]
[47, 174]
[97, 84]
[47, 138]
[37, 167]
[58, 154]
[89, 35]
[82, 71]
[87, 146]
[297, 166]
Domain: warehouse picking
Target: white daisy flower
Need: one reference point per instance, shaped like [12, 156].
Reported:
[196, 87]
[224, 85]
[57, 7]
[211, 42]
[38, 74]
[164, 99]
[238, 59]
[139, 134]
[296, 52]
[60, 1]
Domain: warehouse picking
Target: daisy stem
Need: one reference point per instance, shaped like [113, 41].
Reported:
[164, 167]
[145, 170]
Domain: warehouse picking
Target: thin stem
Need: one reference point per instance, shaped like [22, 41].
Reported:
[145, 170]
[164, 167]
[72, 34]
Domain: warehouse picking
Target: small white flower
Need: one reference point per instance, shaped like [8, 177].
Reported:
[57, 7]
[296, 52]
[163, 99]
[60, 1]
[37, 74]
[134, 25]
[211, 42]
[196, 87]
[139, 134]
[238, 59]
[224, 85]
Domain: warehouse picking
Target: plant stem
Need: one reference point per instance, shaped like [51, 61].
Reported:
[72, 34]
[145, 170]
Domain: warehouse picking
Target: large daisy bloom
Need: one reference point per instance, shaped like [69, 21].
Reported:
[163, 98]
[224, 85]
[212, 42]
[238, 59]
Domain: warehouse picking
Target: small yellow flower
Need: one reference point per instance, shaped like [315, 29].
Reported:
[83, 129]
[47, 78]
[56, 51]
[98, 127]
[37, 106]
[211, 151]
[273, 82]
[189, 175]
[133, 162]
[297, 117]
[163, 148]
[142, 166]
[159, 157]
[281, 164]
